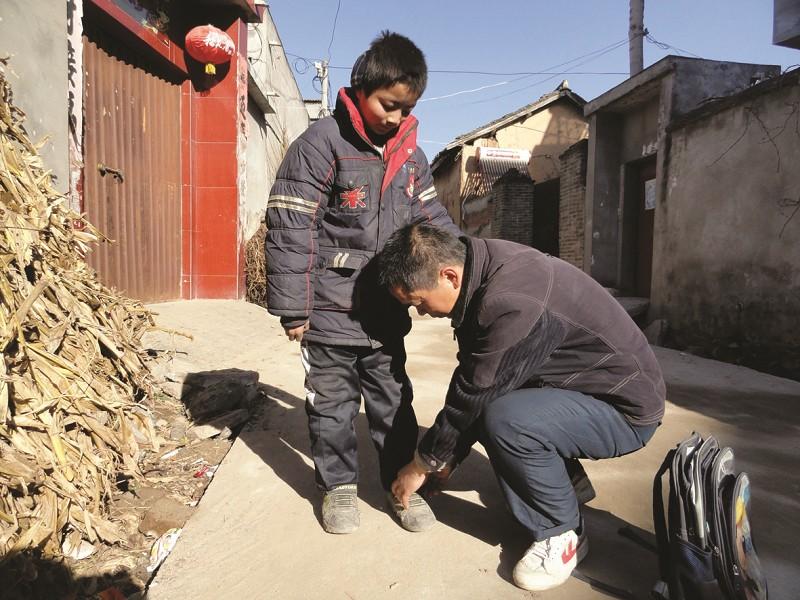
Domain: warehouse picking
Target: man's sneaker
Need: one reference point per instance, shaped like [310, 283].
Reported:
[550, 562]
[417, 517]
[340, 509]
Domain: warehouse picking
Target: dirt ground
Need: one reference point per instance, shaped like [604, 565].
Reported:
[175, 474]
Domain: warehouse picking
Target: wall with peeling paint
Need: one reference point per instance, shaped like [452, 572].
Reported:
[271, 132]
[727, 276]
[35, 35]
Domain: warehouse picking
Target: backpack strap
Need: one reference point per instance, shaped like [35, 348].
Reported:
[660, 517]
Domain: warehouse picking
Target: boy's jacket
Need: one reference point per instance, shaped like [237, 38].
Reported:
[334, 204]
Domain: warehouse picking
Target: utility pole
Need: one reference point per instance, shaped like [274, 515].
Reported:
[636, 36]
[322, 74]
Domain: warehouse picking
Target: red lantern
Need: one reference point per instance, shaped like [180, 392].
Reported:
[209, 45]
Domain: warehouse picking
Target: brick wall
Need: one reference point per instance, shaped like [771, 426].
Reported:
[571, 206]
[512, 217]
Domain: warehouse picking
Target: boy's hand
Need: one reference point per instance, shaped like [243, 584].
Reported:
[296, 333]
[409, 480]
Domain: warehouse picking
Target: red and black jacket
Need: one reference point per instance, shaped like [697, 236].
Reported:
[335, 202]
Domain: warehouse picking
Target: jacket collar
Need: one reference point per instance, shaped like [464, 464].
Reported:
[398, 148]
[472, 278]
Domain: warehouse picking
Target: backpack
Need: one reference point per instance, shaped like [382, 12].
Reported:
[704, 538]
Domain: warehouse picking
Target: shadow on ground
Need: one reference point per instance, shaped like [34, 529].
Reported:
[279, 437]
[29, 576]
[763, 428]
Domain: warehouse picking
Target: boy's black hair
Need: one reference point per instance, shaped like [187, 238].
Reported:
[391, 58]
[413, 255]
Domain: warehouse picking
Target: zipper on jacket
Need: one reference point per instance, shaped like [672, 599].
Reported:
[380, 202]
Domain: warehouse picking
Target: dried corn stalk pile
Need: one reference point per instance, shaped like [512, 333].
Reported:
[70, 422]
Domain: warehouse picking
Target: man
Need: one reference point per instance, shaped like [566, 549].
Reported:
[551, 369]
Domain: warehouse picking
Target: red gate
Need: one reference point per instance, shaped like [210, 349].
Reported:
[132, 175]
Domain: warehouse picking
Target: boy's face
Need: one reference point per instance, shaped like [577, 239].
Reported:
[386, 108]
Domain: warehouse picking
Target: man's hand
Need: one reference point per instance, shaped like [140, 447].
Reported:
[296, 333]
[409, 480]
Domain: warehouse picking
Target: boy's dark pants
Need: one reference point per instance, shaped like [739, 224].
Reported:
[531, 436]
[336, 378]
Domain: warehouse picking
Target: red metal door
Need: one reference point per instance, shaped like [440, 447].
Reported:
[132, 175]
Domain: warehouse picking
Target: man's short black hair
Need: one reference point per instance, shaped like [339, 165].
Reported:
[413, 255]
[392, 58]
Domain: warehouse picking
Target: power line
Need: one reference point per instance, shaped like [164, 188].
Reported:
[665, 46]
[597, 55]
[306, 61]
[477, 89]
[547, 71]
[333, 32]
[594, 54]
[303, 67]
[506, 74]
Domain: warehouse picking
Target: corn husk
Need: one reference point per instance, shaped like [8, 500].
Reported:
[73, 383]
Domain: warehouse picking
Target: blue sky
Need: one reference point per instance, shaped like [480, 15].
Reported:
[518, 36]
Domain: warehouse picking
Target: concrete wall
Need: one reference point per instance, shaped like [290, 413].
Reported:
[35, 35]
[632, 127]
[728, 235]
[696, 81]
[639, 132]
[478, 217]
[571, 209]
[270, 134]
[602, 198]
[448, 183]
[786, 23]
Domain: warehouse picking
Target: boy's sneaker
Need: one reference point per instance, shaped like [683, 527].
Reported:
[417, 517]
[549, 563]
[340, 509]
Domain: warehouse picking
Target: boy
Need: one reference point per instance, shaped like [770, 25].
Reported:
[551, 369]
[343, 188]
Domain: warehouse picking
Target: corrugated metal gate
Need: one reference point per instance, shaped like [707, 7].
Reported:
[132, 175]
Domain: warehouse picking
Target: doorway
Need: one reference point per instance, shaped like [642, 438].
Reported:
[638, 211]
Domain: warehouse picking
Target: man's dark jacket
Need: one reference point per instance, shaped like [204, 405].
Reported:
[335, 202]
[526, 319]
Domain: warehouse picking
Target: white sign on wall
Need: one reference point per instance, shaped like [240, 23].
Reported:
[650, 194]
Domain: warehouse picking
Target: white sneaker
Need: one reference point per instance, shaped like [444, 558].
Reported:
[549, 563]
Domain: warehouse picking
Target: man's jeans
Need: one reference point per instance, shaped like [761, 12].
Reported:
[530, 433]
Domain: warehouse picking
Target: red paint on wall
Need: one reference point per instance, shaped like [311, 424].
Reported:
[216, 266]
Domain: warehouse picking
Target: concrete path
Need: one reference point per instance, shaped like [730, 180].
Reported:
[256, 533]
